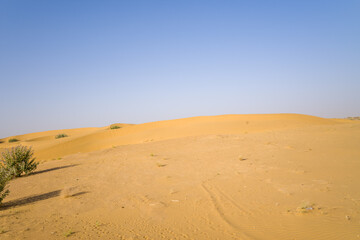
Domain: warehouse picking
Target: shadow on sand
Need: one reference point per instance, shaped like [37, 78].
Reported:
[28, 200]
[79, 193]
[52, 169]
[34, 198]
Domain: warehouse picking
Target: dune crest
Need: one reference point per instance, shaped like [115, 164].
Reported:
[270, 176]
[82, 140]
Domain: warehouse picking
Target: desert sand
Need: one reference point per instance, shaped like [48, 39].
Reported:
[265, 176]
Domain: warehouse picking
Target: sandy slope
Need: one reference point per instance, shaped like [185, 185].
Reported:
[281, 176]
[92, 139]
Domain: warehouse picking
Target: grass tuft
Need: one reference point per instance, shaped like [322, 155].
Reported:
[13, 140]
[62, 135]
[114, 127]
[69, 233]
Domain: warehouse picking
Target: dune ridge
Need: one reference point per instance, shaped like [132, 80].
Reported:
[92, 139]
[230, 177]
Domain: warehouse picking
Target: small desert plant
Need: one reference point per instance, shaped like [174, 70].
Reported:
[62, 135]
[114, 127]
[19, 160]
[4, 179]
[69, 233]
[13, 140]
[160, 164]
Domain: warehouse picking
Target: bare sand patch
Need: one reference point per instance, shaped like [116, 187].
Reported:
[289, 177]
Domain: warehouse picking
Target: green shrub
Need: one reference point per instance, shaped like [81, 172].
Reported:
[4, 179]
[114, 127]
[13, 140]
[62, 135]
[19, 160]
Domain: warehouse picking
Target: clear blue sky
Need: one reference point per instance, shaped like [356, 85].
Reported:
[72, 63]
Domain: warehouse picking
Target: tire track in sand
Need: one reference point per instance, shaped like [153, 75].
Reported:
[225, 206]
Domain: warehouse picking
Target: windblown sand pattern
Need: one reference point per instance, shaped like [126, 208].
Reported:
[271, 176]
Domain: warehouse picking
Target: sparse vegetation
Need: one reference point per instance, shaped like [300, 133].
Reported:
[353, 118]
[11, 140]
[161, 164]
[14, 162]
[69, 233]
[114, 127]
[62, 135]
[98, 224]
[18, 160]
[4, 179]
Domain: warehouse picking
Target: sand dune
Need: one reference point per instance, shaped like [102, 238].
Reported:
[92, 139]
[271, 176]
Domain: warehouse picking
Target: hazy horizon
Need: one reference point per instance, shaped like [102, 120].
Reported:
[159, 120]
[74, 64]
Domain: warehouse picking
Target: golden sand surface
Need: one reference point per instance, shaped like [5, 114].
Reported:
[261, 176]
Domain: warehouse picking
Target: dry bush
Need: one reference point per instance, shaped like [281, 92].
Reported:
[18, 160]
[4, 179]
